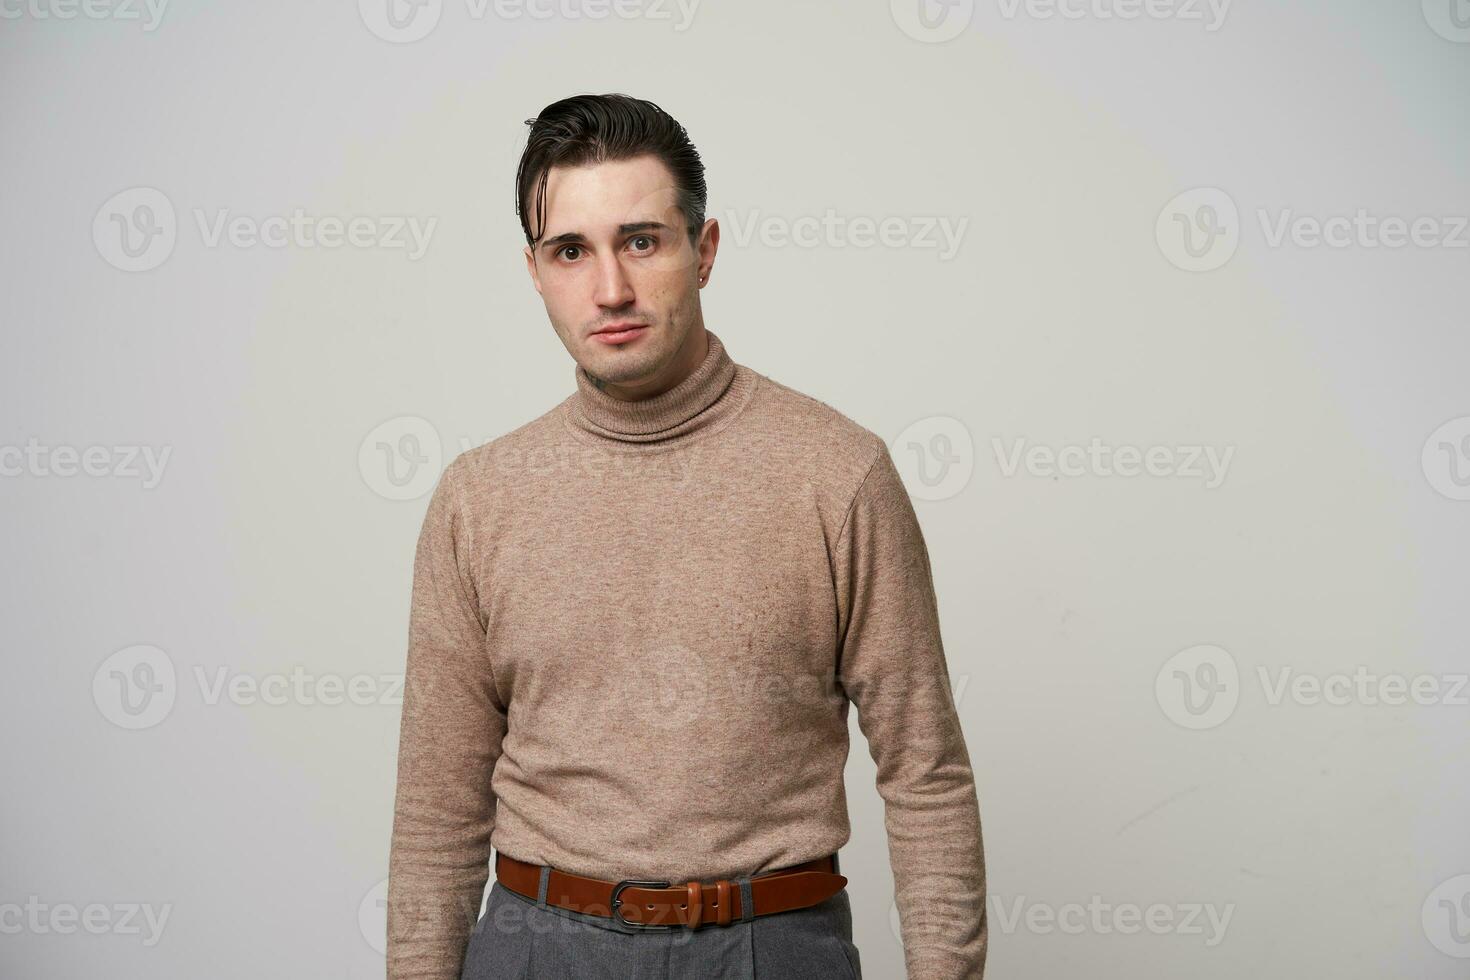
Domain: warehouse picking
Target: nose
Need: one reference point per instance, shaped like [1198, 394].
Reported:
[613, 288]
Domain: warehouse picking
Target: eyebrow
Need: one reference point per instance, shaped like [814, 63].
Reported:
[627, 229]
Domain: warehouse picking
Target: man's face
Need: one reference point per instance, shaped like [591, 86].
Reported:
[615, 252]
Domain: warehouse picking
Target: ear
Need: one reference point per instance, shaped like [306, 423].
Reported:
[531, 268]
[709, 244]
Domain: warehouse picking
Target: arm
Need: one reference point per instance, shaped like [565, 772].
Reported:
[893, 667]
[449, 741]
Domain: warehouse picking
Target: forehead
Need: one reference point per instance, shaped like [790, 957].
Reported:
[596, 198]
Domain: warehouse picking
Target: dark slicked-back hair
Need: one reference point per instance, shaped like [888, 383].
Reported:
[588, 129]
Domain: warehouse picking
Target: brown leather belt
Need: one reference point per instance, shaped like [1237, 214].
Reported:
[660, 905]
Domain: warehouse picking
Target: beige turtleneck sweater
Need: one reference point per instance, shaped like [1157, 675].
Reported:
[634, 634]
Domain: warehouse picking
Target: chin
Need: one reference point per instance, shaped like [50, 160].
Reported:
[619, 366]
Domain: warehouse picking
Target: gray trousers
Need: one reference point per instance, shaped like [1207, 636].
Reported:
[519, 938]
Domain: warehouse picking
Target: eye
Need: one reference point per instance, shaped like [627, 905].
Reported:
[644, 238]
[565, 248]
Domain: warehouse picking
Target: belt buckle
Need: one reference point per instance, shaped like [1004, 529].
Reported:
[617, 903]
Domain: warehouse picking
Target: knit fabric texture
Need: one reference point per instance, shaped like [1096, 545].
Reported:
[636, 629]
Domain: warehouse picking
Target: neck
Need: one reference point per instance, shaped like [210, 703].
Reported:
[686, 359]
[702, 399]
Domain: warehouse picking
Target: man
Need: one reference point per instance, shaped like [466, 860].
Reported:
[637, 623]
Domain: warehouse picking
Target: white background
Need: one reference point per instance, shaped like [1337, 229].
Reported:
[1334, 542]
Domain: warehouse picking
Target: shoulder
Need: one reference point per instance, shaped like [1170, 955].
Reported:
[833, 451]
[814, 424]
[506, 460]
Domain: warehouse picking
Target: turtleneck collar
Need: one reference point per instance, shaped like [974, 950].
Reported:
[714, 393]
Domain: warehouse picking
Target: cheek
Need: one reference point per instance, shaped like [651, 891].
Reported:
[664, 289]
[563, 306]
[563, 290]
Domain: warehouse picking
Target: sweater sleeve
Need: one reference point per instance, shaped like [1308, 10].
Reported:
[892, 666]
[449, 740]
